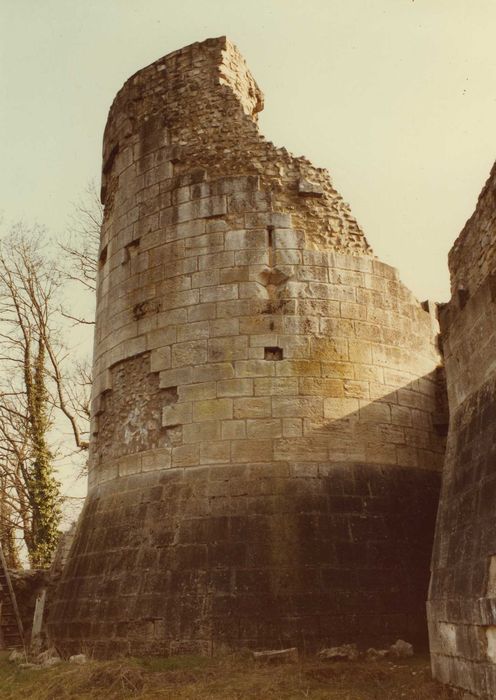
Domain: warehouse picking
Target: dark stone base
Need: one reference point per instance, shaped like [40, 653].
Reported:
[258, 556]
[462, 595]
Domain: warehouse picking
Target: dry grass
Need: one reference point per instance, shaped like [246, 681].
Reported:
[225, 678]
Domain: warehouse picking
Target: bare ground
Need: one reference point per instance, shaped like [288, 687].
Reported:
[230, 677]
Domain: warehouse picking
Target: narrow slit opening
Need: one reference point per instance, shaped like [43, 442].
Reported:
[270, 236]
[102, 259]
[463, 295]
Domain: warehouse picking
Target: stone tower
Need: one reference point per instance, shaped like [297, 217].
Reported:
[265, 457]
[462, 599]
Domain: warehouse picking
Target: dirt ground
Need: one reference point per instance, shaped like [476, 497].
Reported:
[236, 677]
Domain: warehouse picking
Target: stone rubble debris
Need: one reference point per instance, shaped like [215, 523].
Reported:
[17, 657]
[45, 659]
[48, 658]
[349, 652]
[78, 659]
[346, 652]
[277, 655]
[376, 654]
[401, 649]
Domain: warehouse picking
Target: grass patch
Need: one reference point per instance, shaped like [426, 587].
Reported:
[230, 677]
[173, 663]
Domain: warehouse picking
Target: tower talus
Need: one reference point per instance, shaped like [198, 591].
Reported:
[265, 452]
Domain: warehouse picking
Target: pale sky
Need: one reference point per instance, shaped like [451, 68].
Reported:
[397, 98]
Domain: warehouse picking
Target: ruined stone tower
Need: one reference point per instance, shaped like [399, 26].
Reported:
[462, 599]
[265, 461]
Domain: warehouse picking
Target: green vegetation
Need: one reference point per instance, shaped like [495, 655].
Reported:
[226, 677]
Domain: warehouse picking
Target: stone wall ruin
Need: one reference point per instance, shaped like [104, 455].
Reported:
[462, 597]
[266, 441]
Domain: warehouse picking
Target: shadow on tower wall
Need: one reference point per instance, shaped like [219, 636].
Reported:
[314, 551]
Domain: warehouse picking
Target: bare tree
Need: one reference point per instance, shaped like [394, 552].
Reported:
[80, 252]
[34, 391]
[78, 267]
[9, 521]
[39, 382]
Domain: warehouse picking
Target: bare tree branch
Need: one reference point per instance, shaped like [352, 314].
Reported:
[35, 386]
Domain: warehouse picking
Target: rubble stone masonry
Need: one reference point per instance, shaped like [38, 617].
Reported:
[462, 600]
[266, 439]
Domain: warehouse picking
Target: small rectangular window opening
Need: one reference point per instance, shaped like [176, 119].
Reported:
[170, 395]
[273, 353]
[131, 250]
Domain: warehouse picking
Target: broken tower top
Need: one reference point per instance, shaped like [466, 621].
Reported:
[197, 108]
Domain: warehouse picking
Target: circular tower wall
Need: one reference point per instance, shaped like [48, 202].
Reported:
[264, 461]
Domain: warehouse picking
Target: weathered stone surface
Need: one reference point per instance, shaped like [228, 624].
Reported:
[309, 189]
[462, 603]
[264, 466]
[237, 554]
